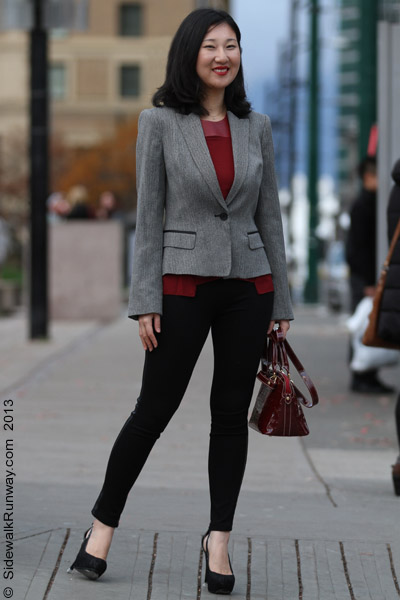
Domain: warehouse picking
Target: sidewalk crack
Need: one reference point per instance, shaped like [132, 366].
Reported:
[393, 570]
[199, 573]
[299, 578]
[57, 565]
[249, 555]
[31, 535]
[316, 473]
[346, 571]
[152, 565]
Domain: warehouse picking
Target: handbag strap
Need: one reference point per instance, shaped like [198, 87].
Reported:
[393, 243]
[303, 374]
[274, 354]
[284, 351]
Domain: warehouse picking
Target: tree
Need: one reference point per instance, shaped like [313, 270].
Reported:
[14, 178]
[109, 165]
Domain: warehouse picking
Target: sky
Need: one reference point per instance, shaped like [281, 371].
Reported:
[263, 24]
[265, 28]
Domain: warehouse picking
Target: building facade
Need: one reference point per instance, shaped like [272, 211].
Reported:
[99, 77]
[357, 88]
[358, 84]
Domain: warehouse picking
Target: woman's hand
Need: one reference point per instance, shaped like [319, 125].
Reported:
[283, 325]
[146, 331]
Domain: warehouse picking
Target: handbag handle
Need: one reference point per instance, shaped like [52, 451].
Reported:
[280, 349]
[393, 243]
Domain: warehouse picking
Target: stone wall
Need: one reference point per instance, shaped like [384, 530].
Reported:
[85, 270]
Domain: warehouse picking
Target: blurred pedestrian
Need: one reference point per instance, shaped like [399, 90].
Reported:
[58, 207]
[78, 199]
[361, 257]
[393, 216]
[209, 254]
[107, 207]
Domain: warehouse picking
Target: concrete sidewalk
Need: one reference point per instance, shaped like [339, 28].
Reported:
[317, 518]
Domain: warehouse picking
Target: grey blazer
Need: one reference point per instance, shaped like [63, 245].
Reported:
[184, 225]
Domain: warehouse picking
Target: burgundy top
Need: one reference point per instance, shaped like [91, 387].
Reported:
[218, 138]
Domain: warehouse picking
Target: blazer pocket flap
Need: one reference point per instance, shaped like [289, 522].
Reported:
[180, 239]
[255, 240]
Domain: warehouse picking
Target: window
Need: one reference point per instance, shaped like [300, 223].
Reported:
[130, 81]
[130, 20]
[15, 14]
[57, 81]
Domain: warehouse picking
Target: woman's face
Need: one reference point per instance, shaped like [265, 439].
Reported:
[218, 60]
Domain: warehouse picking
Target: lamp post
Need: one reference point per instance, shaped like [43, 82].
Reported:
[38, 16]
[293, 85]
[311, 288]
[39, 174]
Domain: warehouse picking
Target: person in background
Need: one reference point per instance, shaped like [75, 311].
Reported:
[107, 208]
[58, 207]
[78, 199]
[393, 216]
[361, 257]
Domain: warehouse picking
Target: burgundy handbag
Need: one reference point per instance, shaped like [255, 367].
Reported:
[277, 410]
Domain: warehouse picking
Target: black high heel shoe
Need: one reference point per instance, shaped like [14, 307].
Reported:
[86, 564]
[217, 583]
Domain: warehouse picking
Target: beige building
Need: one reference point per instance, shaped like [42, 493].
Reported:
[99, 77]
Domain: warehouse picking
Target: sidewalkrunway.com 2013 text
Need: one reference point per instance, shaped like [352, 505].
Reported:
[8, 504]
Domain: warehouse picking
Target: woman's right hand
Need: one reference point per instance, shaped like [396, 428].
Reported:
[146, 330]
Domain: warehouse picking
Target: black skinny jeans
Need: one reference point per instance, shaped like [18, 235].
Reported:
[239, 319]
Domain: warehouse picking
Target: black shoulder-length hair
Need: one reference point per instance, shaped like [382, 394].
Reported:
[183, 88]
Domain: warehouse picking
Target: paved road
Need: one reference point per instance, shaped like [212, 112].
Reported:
[317, 518]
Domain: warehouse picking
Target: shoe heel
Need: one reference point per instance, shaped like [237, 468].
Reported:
[86, 564]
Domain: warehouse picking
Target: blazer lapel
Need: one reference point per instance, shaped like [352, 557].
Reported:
[192, 131]
[240, 145]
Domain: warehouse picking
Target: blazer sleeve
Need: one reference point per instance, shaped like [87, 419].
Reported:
[146, 284]
[269, 223]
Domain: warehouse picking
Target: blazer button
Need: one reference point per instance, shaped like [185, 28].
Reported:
[223, 216]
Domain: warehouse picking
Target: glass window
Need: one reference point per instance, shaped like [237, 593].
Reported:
[130, 81]
[15, 14]
[130, 19]
[57, 81]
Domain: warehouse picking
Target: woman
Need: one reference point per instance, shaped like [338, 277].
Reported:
[209, 254]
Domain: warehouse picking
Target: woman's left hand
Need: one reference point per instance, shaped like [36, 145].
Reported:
[283, 325]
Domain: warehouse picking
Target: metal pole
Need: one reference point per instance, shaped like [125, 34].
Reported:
[311, 288]
[368, 72]
[281, 124]
[389, 125]
[293, 84]
[39, 169]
